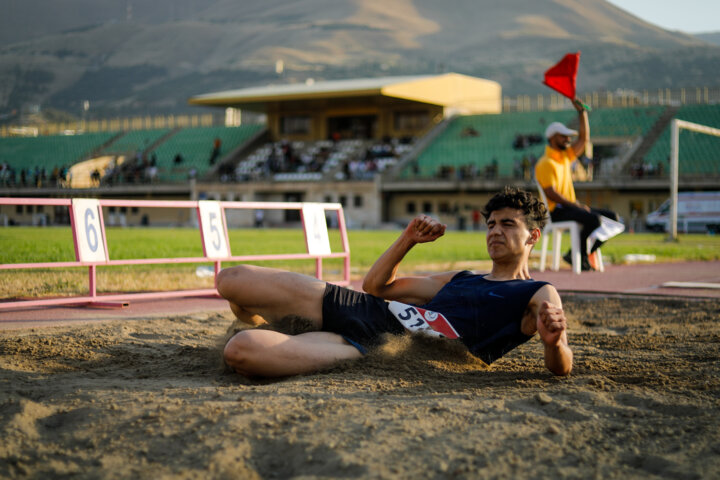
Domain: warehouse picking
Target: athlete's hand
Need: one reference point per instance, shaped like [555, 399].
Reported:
[551, 323]
[424, 229]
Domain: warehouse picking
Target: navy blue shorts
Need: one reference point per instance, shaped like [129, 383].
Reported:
[360, 318]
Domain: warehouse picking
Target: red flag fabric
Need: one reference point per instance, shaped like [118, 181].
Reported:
[562, 77]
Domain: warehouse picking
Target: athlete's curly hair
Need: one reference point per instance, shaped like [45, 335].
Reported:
[534, 210]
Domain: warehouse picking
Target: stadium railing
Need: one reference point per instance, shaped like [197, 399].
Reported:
[91, 250]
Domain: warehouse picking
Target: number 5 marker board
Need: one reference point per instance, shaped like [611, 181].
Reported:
[212, 227]
[88, 231]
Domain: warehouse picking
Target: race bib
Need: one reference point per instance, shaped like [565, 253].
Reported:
[420, 320]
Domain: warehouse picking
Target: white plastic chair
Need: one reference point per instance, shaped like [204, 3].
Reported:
[557, 229]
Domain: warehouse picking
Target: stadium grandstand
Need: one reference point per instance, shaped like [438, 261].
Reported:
[195, 151]
[386, 148]
[30, 161]
[490, 146]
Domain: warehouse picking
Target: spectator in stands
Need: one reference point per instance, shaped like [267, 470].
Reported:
[553, 173]
[64, 172]
[517, 168]
[287, 154]
[95, 177]
[476, 219]
[4, 174]
[491, 170]
[151, 173]
[178, 159]
[215, 151]
[525, 164]
[110, 174]
[469, 131]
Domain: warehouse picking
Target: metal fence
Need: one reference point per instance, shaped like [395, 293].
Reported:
[91, 251]
[112, 125]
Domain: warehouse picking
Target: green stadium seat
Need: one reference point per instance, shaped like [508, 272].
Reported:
[474, 141]
[134, 141]
[699, 154]
[52, 150]
[624, 122]
[196, 145]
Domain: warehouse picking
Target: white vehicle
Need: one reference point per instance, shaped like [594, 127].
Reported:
[696, 212]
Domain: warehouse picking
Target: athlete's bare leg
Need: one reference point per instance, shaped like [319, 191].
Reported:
[267, 353]
[259, 294]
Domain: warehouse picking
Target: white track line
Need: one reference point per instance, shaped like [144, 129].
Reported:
[691, 285]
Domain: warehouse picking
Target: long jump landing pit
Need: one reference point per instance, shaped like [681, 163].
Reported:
[148, 397]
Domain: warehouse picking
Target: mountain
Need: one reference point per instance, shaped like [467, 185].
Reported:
[132, 57]
[709, 37]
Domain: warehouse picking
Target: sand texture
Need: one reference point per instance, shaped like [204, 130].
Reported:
[150, 399]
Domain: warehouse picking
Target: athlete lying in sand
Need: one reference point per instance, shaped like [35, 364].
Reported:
[491, 314]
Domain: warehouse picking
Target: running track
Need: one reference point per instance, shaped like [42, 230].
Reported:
[624, 280]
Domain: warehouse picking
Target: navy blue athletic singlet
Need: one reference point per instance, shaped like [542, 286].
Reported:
[486, 314]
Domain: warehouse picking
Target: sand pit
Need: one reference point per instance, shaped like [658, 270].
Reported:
[150, 399]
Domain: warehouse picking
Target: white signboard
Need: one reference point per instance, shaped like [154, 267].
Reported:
[89, 233]
[212, 227]
[316, 233]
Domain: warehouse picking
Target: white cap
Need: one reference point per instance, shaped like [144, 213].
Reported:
[557, 127]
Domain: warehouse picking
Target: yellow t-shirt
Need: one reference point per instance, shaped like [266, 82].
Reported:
[553, 168]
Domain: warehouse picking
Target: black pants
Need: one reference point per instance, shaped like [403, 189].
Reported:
[589, 221]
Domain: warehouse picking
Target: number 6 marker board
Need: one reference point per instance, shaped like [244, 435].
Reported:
[316, 234]
[212, 229]
[88, 231]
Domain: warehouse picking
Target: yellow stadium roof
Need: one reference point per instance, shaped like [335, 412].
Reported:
[450, 89]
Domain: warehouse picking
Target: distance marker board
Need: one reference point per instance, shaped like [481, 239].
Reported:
[316, 233]
[88, 230]
[212, 229]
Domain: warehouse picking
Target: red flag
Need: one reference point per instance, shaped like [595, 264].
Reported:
[562, 76]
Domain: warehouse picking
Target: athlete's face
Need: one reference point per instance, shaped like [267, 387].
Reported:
[508, 235]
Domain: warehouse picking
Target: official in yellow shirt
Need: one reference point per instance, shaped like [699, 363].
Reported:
[554, 174]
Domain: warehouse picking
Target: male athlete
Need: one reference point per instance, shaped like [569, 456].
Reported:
[491, 314]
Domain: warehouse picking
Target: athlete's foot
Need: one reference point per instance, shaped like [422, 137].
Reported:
[247, 317]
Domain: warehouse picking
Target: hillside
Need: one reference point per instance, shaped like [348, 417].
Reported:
[710, 37]
[126, 56]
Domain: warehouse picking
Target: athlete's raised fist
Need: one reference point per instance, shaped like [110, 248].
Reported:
[425, 229]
